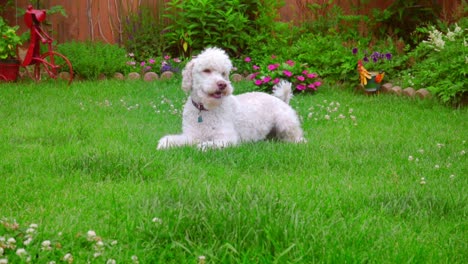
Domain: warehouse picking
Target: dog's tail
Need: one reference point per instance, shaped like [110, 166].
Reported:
[283, 91]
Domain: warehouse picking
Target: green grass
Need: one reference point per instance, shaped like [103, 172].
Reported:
[84, 158]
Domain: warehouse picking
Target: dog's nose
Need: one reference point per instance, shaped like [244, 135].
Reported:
[221, 85]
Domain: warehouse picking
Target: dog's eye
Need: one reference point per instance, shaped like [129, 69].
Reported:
[224, 74]
[207, 71]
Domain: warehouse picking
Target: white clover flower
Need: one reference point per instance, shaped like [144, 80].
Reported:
[97, 254]
[437, 166]
[21, 252]
[135, 259]
[3, 261]
[341, 116]
[35, 226]
[157, 220]
[46, 245]
[11, 241]
[68, 258]
[201, 259]
[111, 261]
[114, 242]
[410, 158]
[327, 117]
[421, 151]
[440, 145]
[100, 244]
[1, 251]
[462, 152]
[91, 235]
[27, 241]
[2, 239]
[30, 231]
[452, 176]
[350, 111]
[423, 181]
[51, 262]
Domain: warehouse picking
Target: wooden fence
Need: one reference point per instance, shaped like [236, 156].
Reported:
[103, 19]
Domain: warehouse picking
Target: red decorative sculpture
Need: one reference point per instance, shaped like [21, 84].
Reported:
[33, 19]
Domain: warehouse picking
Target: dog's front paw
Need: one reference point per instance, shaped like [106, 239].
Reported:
[163, 144]
[206, 145]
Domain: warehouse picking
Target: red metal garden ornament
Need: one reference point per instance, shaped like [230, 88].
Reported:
[52, 62]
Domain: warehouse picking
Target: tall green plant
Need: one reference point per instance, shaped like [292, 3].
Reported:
[142, 31]
[195, 24]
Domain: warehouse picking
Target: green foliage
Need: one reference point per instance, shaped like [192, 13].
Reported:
[90, 59]
[143, 34]
[402, 17]
[9, 40]
[440, 64]
[194, 24]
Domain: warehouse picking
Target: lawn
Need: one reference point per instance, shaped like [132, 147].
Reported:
[382, 179]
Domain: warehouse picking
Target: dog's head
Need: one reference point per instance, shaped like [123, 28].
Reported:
[207, 77]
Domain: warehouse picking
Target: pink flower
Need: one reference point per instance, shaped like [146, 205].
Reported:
[142, 64]
[256, 68]
[177, 60]
[167, 57]
[132, 63]
[266, 79]
[301, 87]
[147, 68]
[273, 67]
[151, 61]
[290, 63]
[258, 82]
[311, 75]
[254, 75]
[301, 78]
[305, 72]
[276, 80]
[131, 55]
[287, 73]
[247, 59]
[312, 86]
[273, 56]
[317, 84]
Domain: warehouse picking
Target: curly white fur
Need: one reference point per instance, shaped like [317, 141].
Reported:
[213, 117]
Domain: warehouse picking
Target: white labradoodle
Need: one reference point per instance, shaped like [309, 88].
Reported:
[214, 118]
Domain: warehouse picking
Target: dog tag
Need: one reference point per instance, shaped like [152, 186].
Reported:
[200, 119]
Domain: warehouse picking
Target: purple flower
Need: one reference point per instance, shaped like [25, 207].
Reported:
[290, 63]
[388, 56]
[311, 75]
[301, 78]
[258, 82]
[273, 67]
[266, 79]
[301, 87]
[287, 73]
[355, 51]
[366, 59]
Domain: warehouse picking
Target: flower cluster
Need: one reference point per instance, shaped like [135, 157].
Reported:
[437, 39]
[167, 64]
[298, 74]
[375, 57]
[170, 65]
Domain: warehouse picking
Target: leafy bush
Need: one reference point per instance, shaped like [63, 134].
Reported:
[195, 24]
[90, 59]
[143, 38]
[440, 64]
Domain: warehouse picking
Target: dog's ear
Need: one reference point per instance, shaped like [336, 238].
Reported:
[187, 76]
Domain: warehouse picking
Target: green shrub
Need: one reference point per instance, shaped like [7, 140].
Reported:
[90, 59]
[194, 24]
[440, 64]
[142, 35]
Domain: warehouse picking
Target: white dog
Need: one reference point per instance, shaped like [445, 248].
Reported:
[214, 118]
